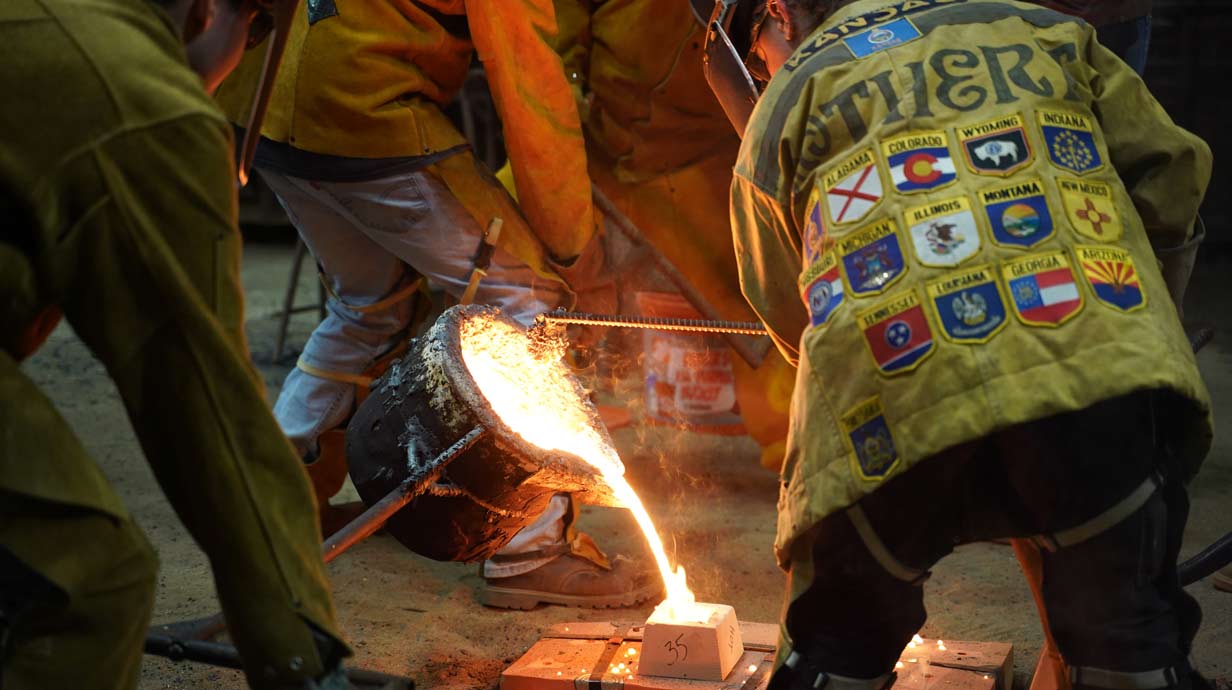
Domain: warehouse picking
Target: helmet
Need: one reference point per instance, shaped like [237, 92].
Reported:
[731, 32]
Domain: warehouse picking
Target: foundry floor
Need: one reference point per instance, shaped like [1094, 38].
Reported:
[407, 615]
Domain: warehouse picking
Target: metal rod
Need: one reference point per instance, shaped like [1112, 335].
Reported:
[655, 323]
[288, 300]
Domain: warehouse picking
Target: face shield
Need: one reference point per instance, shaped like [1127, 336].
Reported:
[731, 69]
[273, 21]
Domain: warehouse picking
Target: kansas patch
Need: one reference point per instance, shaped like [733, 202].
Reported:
[1042, 289]
[1070, 141]
[1113, 277]
[1091, 209]
[880, 38]
[968, 305]
[815, 240]
[852, 188]
[996, 147]
[943, 233]
[919, 161]
[872, 443]
[897, 333]
[1018, 214]
[872, 258]
[822, 289]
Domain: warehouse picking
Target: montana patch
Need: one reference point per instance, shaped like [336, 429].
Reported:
[1070, 141]
[968, 305]
[1043, 289]
[815, 239]
[872, 443]
[1091, 209]
[1113, 277]
[996, 147]
[919, 161]
[1018, 214]
[822, 289]
[872, 258]
[943, 233]
[897, 333]
[852, 188]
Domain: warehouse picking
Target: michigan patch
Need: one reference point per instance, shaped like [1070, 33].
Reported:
[1091, 209]
[1113, 277]
[822, 289]
[897, 333]
[919, 161]
[996, 147]
[815, 240]
[1070, 140]
[880, 38]
[872, 258]
[943, 233]
[1042, 289]
[852, 188]
[872, 443]
[1018, 214]
[968, 305]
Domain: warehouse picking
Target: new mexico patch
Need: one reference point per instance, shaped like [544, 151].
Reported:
[996, 147]
[1018, 214]
[1113, 278]
[822, 289]
[872, 258]
[919, 161]
[1070, 141]
[897, 333]
[1091, 209]
[852, 188]
[1043, 289]
[870, 439]
[943, 233]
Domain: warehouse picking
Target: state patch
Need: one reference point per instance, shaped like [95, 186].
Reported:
[815, 239]
[880, 38]
[871, 441]
[943, 233]
[897, 333]
[996, 147]
[1042, 289]
[968, 305]
[1091, 209]
[872, 258]
[1070, 141]
[852, 188]
[919, 161]
[1018, 214]
[1113, 277]
[822, 289]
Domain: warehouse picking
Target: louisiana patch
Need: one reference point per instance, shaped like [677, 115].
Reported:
[968, 305]
[872, 443]
[943, 233]
[1018, 214]
[1091, 209]
[1113, 278]
[1043, 289]
[897, 333]
[821, 288]
[872, 258]
[880, 38]
[1070, 141]
[996, 147]
[815, 239]
[919, 161]
[852, 188]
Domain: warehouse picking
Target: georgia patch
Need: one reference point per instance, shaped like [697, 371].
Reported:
[822, 289]
[897, 333]
[943, 233]
[872, 258]
[1113, 278]
[1070, 141]
[872, 443]
[815, 239]
[919, 161]
[879, 38]
[968, 305]
[1091, 209]
[852, 188]
[1018, 214]
[1042, 289]
[996, 147]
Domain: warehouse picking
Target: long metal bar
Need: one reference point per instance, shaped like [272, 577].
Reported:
[655, 323]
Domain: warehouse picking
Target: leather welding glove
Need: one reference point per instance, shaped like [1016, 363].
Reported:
[593, 288]
[1177, 263]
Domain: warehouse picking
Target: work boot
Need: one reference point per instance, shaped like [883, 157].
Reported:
[571, 580]
[1223, 579]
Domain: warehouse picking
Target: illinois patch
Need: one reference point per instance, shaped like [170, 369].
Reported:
[852, 188]
[943, 233]
[872, 258]
[1018, 214]
[919, 161]
[822, 289]
[1113, 278]
[1091, 209]
[815, 240]
[880, 38]
[968, 305]
[1042, 289]
[872, 443]
[996, 147]
[897, 333]
[1070, 141]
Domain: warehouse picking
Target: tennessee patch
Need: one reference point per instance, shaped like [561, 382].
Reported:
[1042, 289]
[872, 443]
[1113, 278]
[943, 233]
[872, 258]
[879, 38]
[919, 161]
[996, 147]
[815, 240]
[897, 333]
[969, 305]
[822, 289]
[1091, 209]
[1070, 140]
[852, 188]
[1018, 214]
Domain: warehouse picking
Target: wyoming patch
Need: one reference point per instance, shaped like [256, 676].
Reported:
[822, 289]
[996, 147]
[1091, 209]
[872, 258]
[897, 333]
[943, 233]
[968, 305]
[815, 239]
[919, 161]
[1018, 214]
[1113, 278]
[852, 188]
[1070, 141]
[872, 443]
[1042, 289]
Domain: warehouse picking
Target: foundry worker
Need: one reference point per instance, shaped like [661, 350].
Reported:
[119, 215]
[952, 215]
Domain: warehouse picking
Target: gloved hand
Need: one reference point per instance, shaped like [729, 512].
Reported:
[594, 291]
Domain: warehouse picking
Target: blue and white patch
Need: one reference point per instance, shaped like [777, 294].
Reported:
[822, 289]
[969, 305]
[872, 442]
[1070, 140]
[872, 258]
[882, 37]
[1018, 214]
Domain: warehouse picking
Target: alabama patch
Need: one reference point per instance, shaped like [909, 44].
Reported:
[1113, 278]
[1018, 214]
[872, 443]
[996, 147]
[822, 289]
[968, 305]
[872, 258]
[852, 188]
[1042, 289]
[897, 333]
[1070, 141]
[1091, 209]
[919, 161]
[879, 38]
[815, 239]
[943, 233]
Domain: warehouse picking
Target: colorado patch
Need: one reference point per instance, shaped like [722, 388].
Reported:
[968, 305]
[872, 444]
[815, 239]
[872, 258]
[996, 147]
[879, 38]
[943, 233]
[822, 289]
[1113, 278]
[919, 161]
[852, 188]
[897, 333]
[1018, 214]
[1042, 289]
[1070, 140]
[1091, 209]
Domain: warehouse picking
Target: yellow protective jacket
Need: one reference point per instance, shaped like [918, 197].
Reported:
[131, 174]
[944, 210]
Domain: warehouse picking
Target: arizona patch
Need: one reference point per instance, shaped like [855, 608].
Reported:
[872, 258]
[968, 305]
[852, 188]
[943, 233]
[996, 147]
[1070, 140]
[1111, 273]
[897, 333]
[1091, 209]
[1042, 289]
[879, 38]
[871, 441]
[1018, 214]
[919, 161]
[815, 240]
[822, 289]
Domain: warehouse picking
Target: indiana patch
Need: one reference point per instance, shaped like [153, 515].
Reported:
[1043, 289]
[852, 188]
[815, 240]
[919, 161]
[996, 147]
[1091, 209]
[968, 305]
[822, 289]
[872, 258]
[1018, 214]
[872, 443]
[943, 233]
[897, 333]
[1113, 278]
[879, 38]
[1070, 141]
